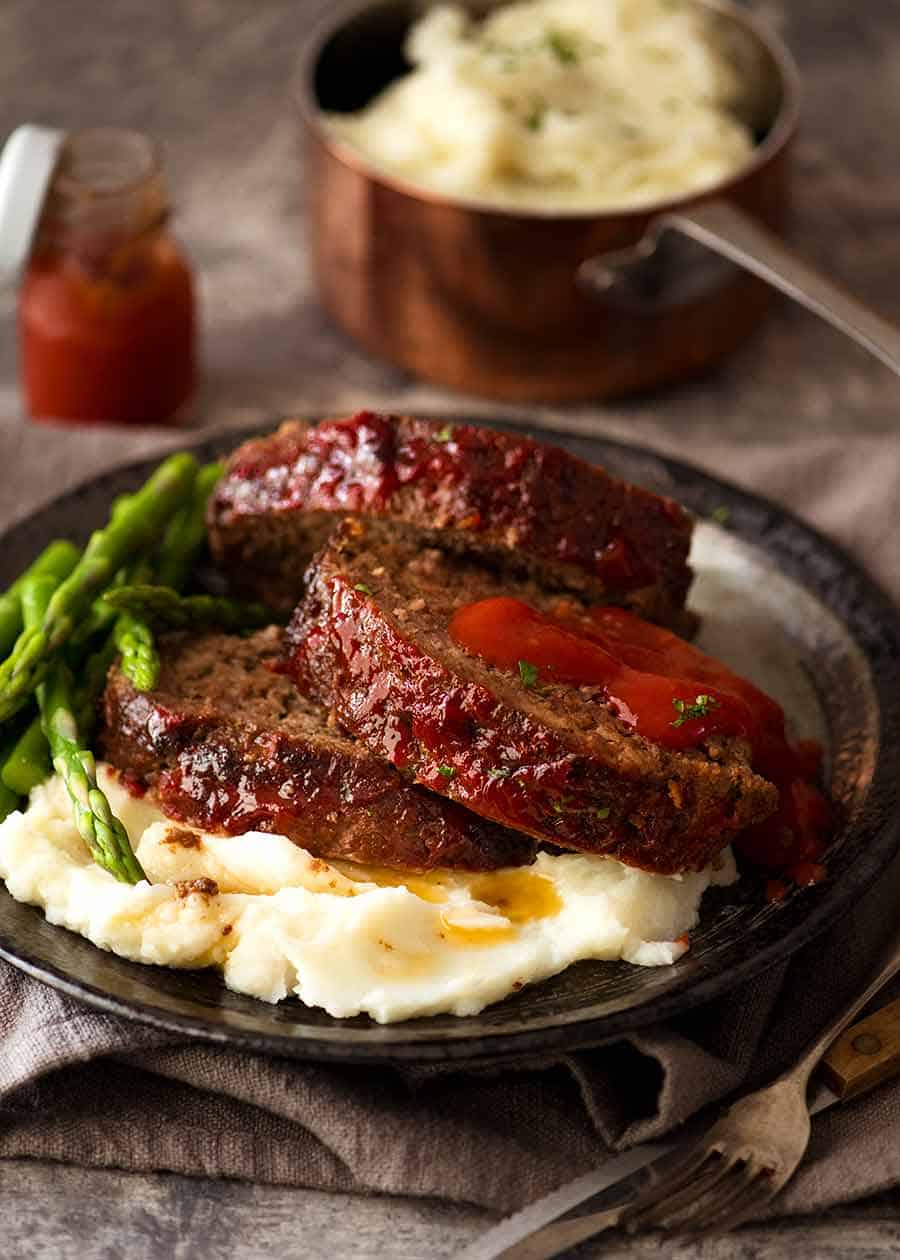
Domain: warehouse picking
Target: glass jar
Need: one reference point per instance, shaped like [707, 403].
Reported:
[106, 308]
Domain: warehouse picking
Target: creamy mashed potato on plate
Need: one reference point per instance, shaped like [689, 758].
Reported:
[346, 938]
[587, 105]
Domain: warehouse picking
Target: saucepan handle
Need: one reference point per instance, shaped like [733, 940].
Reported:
[728, 231]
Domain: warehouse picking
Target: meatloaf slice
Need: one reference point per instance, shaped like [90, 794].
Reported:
[226, 745]
[541, 508]
[371, 641]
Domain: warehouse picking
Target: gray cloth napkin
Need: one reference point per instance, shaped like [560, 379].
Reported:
[87, 1088]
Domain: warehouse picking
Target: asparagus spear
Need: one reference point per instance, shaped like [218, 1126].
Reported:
[181, 544]
[98, 618]
[98, 826]
[186, 535]
[91, 681]
[101, 831]
[163, 607]
[134, 640]
[134, 525]
[27, 763]
[58, 559]
[9, 800]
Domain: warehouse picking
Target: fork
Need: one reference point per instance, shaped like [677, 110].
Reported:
[718, 1180]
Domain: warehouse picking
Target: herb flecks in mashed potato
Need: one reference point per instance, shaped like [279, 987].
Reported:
[567, 104]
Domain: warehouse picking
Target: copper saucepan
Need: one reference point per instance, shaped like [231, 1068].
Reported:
[531, 305]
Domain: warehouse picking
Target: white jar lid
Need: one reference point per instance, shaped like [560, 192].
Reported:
[27, 164]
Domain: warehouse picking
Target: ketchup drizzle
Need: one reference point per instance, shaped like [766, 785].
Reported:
[670, 693]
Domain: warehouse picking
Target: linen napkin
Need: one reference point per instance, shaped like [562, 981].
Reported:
[87, 1088]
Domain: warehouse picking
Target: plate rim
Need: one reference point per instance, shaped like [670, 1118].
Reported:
[563, 1031]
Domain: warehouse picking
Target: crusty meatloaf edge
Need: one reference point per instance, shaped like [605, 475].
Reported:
[536, 508]
[224, 744]
[369, 641]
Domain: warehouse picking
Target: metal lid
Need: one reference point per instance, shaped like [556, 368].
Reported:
[27, 164]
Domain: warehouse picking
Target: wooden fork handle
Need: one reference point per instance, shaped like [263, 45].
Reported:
[865, 1054]
[852, 1065]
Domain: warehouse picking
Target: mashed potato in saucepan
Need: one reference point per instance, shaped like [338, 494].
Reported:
[350, 939]
[587, 105]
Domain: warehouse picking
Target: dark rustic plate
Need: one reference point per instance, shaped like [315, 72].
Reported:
[809, 599]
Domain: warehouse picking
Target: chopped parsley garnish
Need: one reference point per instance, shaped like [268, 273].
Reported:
[529, 674]
[535, 117]
[361, 586]
[447, 771]
[559, 807]
[499, 772]
[700, 708]
[562, 47]
[445, 434]
[721, 515]
[602, 811]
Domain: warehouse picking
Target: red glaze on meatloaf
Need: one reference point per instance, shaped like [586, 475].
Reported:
[371, 641]
[226, 745]
[535, 507]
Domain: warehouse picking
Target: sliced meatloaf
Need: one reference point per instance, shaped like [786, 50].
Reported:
[542, 509]
[371, 641]
[226, 745]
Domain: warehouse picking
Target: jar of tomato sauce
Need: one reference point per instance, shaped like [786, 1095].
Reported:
[106, 307]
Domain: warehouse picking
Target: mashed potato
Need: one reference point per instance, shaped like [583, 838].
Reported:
[568, 104]
[350, 939]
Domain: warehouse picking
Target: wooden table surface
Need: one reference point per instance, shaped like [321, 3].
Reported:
[210, 77]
